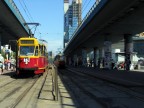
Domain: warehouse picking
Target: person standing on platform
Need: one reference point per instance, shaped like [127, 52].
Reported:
[6, 64]
[1, 63]
[13, 63]
[9, 64]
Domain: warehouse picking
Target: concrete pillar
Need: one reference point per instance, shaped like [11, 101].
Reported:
[89, 57]
[84, 57]
[69, 60]
[94, 59]
[66, 60]
[128, 50]
[101, 58]
[75, 60]
[97, 56]
[107, 56]
[79, 57]
[101, 52]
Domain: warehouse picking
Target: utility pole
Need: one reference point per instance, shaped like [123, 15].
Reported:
[36, 24]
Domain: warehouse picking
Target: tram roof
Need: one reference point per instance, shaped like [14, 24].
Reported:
[42, 41]
[39, 41]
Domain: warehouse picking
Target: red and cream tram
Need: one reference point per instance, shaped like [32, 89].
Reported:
[32, 56]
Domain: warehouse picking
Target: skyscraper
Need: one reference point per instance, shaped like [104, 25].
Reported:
[72, 18]
[76, 8]
[66, 6]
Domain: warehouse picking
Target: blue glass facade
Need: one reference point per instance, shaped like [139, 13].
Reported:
[73, 27]
[72, 19]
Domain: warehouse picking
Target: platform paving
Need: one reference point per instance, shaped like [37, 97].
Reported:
[123, 77]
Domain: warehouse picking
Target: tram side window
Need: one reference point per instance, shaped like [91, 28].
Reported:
[41, 50]
[44, 51]
[36, 51]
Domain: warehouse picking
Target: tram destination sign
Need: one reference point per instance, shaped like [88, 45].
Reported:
[27, 41]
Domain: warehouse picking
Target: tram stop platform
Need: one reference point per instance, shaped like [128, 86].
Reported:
[66, 100]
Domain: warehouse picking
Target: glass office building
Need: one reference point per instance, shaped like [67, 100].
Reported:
[73, 27]
[72, 18]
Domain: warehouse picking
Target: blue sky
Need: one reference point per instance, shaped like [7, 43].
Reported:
[49, 13]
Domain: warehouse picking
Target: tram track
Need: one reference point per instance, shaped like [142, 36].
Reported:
[19, 98]
[90, 94]
[133, 91]
[7, 83]
[30, 96]
[81, 92]
[12, 92]
[106, 100]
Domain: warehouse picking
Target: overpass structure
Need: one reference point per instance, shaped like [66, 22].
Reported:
[12, 23]
[108, 22]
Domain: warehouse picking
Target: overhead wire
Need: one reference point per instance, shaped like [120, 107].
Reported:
[24, 10]
[27, 10]
[86, 6]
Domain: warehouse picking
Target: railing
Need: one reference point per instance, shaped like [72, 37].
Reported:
[85, 18]
[17, 13]
[54, 81]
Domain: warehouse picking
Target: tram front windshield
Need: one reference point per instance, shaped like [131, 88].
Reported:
[27, 50]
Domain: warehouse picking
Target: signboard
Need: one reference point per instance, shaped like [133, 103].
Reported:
[27, 41]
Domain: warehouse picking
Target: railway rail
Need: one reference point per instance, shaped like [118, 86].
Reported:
[14, 90]
[90, 91]
[21, 96]
[136, 91]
